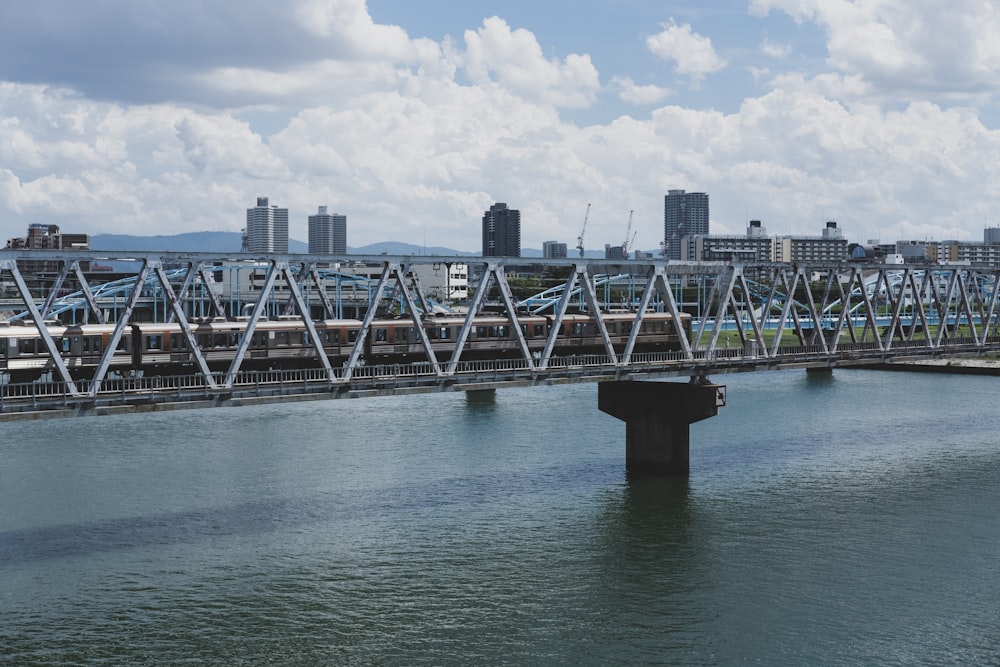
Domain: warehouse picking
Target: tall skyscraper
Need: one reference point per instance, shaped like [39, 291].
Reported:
[553, 250]
[327, 233]
[267, 228]
[501, 231]
[684, 214]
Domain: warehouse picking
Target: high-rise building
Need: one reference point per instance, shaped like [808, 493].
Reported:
[42, 236]
[267, 228]
[684, 214]
[501, 231]
[553, 250]
[327, 233]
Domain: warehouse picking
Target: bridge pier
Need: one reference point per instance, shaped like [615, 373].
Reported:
[658, 416]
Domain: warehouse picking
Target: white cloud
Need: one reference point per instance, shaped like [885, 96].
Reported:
[775, 50]
[692, 53]
[513, 58]
[412, 138]
[631, 92]
[904, 46]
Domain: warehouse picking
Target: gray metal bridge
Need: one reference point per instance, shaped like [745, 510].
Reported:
[744, 317]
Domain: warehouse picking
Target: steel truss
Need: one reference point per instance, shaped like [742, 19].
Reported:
[760, 315]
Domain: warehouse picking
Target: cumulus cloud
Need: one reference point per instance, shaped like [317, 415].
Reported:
[631, 92]
[513, 58]
[413, 139]
[905, 46]
[692, 53]
[775, 50]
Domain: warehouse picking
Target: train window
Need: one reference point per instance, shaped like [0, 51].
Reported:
[123, 345]
[481, 332]
[27, 345]
[336, 336]
[3, 346]
[577, 328]
[282, 338]
[204, 340]
[399, 335]
[295, 338]
[63, 344]
[625, 328]
[445, 333]
[352, 335]
[501, 331]
[220, 340]
[538, 330]
[95, 344]
[154, 342]
[381, 335]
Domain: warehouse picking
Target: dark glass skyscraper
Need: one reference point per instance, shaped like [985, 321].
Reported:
[684, 214]
[501, 231]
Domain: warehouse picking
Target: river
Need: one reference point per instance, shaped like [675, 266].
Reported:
[840, 519]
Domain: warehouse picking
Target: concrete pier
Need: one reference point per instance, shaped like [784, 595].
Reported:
[657, 419]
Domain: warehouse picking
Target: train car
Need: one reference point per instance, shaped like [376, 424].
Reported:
[22, 351]
[579, 334]
[284, 343]
[161, 349]
[24, 357]
[490, 336]
[82, 347]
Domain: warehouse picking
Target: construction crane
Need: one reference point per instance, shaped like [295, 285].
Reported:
[628, 233]
[579, 239]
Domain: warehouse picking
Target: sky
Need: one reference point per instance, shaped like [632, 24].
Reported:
[147, 117]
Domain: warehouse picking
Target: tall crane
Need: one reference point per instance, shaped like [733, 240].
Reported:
[629, 237]
[579, 239]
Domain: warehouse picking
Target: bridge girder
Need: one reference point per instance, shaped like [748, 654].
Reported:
[771, 311]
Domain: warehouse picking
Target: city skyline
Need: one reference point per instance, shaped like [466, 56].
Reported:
[414, 117]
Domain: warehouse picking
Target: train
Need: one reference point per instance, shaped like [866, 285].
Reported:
[162, 348]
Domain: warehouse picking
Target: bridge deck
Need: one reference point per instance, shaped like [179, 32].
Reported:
[54, 399]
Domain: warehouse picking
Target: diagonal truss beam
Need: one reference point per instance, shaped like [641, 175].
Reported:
[88, 294]
[39, 324]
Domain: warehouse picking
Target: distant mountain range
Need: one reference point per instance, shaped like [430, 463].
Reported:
[232, 241]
